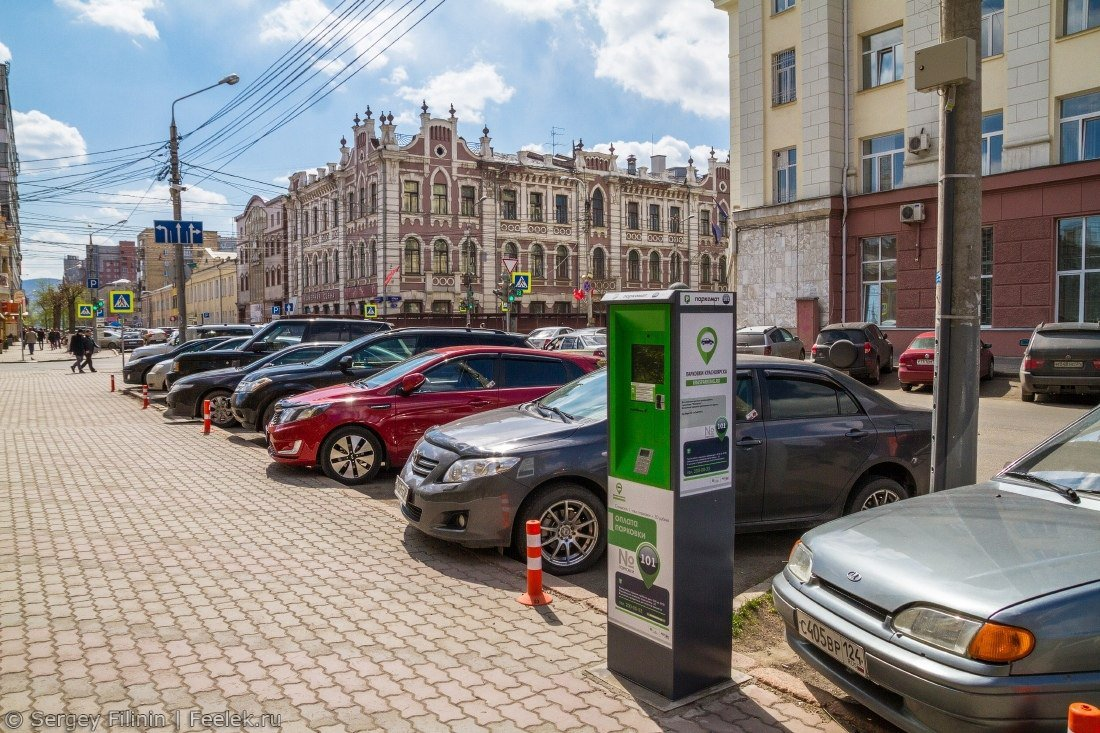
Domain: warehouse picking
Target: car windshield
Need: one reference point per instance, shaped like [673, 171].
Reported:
[594, 340]
[927, 342]
[1070, 459]
[581, 399]
[825, 338]
[349, 348]
[409, 366]
[751, 338]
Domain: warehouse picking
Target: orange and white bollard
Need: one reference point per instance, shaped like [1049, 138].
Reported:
[206, 417]
[112, 382]
[145, 396]
[534, 595]
[1083, 718]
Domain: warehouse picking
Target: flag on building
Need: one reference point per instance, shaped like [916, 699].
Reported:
[390, 274]
[715, 227]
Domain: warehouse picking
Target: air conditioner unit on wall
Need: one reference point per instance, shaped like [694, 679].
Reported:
[919, 143]
[911, 213]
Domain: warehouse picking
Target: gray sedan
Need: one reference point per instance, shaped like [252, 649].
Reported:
[812, 444]
[968, 610]
[770, 341]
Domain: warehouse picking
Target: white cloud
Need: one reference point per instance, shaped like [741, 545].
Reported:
[196, 199]
[675, 52]
[676, 151]
[292, 20]
[534, 148]
[398, 76]
[127, 16]
[37, 135]
[469, 90]
[5, 54]
[110, 212]
[283, 180]
[331, 67]
[531, 10]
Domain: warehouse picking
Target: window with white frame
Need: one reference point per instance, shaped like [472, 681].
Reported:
[1080, 15]
[599, 264]
[675, 267]
[561, 262]
[534, 205]
[654, 217]
[674, 217]
[441, 256]
[992, 142]
[1080, 128]
[883, 162]
[537, 259]
[993, 27]
[410, 202]
[781, 5]
[1079, 269]
[880, 279]
[704, 270]
[654, 268]
[786, 175]
[469, 201]
[634, 266]
[987, 277]
[783, 77]
[883, 58]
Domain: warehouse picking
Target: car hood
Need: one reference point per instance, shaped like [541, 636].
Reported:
[499, 431]
[214, 375]
[335, 393]
[976, 549]
[276, 372]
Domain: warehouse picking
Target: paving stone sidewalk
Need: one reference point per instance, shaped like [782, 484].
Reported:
[148, 570]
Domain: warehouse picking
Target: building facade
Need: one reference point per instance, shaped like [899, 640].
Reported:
[261, 260]
[834, 147]
[156, 269]
[111, 263]
[11, 280]
[212, 288]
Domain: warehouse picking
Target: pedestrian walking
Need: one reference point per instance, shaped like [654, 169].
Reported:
[55, 339]
[30, 338]
[90, 347]
[41, 339]
[76, 348]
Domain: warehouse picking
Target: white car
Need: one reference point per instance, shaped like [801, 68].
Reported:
[150, 350]
[157, 376]
[540, 337]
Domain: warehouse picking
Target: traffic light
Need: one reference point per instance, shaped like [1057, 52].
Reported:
[99, 305]
[515, 293]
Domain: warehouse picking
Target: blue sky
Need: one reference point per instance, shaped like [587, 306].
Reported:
[92, 76]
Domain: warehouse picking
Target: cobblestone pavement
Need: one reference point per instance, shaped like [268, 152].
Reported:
[148, 570]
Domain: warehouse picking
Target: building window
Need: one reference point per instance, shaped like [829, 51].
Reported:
[992, 142]
[675, 267]
[704, 270]
[597, 208]
[336, 267]
[987, 277]
[654, 217]
[413, 306]
[508, 204]
[324, 216]
[469, 201]
[674, 217]
[880, 279]
[410, 200]
[723, 263]
[723, 222]
[439, 198]
[351, 205]
[634, 266]
[468, 255]
[704, 222]
[1080, 127]
[883, 58]
[374, 198]
[561, 208]
[993, 27]
[1079, 269]
[599, 264]
[561, 264]
[538, 261]
[373, 255]
[1081, 15]
[324, 268]
[534, 206]
[783, 80]
[883, 162]
[412, 257]
[654, 268]
[441, 306]
[786, 175]
[441, 256]
[632, 216]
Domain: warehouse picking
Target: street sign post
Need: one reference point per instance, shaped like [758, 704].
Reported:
[521, 281]
[168, 231]
[370, 310]
[121, 301]
[93, 283]
[84, 310]
[509, 263]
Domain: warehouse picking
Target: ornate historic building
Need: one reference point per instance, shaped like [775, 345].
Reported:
[261, 260]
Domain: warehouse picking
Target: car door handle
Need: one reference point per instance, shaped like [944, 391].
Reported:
[748, 442]
[856, 434]
[478, 403]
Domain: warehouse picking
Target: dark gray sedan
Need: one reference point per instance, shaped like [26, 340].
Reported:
[968, 610]
[812, 443]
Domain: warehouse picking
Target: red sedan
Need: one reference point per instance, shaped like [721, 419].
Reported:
[349, 430]
[917, 363]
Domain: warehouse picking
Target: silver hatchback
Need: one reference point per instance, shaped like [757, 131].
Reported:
[770, 341]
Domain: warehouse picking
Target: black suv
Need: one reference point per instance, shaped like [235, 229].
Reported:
[135, 370]
[255, 397]
[274, 336]
[859, 348]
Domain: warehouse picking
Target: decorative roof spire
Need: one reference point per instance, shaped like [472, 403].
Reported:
[424, 107]
[712, 152]
[343, 142]
[691, 161]
[357, 120]
[452, 110]
[611, 148]
[368, 112]
[485, 130]
[389, 118]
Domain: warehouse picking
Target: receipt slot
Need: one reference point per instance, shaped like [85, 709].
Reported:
[671, 380]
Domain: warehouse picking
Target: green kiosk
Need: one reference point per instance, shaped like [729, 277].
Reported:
[671, 383]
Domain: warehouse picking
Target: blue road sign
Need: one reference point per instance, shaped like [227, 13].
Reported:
[169, 231]
[289, 307]
[276, 310]
[122, 301]
[99, 313]
[93, 283]
[205, 315]
[521, 280]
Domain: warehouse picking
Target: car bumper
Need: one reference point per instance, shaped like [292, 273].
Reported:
[915, 375]
[1058, 384]
[156, 380]
[183, 402]
[292, 444]
[131, 376]
[246, 416]
[476, 513]
[922, 695]
[862, 369]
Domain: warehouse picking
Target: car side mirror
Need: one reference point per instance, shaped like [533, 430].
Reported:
[257, 348]
[410, 383]
[345, 363]
[1025, 342]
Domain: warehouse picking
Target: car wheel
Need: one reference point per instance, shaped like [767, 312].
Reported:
[1027, 396]
[876, 376]
[112, 346]
[573, 528]
[802, 355]
[988, 372]
[906, 387]
[351, 455]
[221, 409]
[266, 415]
[889, 363]
[876, 491]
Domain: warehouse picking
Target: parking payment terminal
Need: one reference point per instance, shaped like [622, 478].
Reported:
[671, 376]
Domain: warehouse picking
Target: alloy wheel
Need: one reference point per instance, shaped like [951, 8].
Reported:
[879, 498]
[570, 532]
[352, 457]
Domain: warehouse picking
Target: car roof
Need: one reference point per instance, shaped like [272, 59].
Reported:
[452, 329]
[756, 329]
[847, 324]
[1068, 326]
[521, 351]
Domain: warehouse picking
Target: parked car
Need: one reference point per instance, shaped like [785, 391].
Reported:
[112, 338]
[253, 401]
[188, 393]
[812, 444]
[135, 370]
[916, 365]
[541, 336]
[1061, 358]
[214, 329]
[277, 335]
[154, 336]
[350, 430]
[859, 348]
[972, 609]
[770, 341]
[161, 376]
[592, 344]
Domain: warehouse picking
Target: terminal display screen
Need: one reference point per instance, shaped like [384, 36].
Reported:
[647, 363]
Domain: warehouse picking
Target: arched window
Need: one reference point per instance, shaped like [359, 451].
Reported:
[335, 267]
[469, 257]
[704, 270]
[511, 251]
[654, 267]
[324, 268]
[722, 264]
[599, 264]
[597, 208]
[675, 267]
[324, 215]
[362, 259]
[634, 266]
[371, 261]
[441, 256]
[351, 205]
[561, 266]
[538, 261]
[412, 257]
[316, 274]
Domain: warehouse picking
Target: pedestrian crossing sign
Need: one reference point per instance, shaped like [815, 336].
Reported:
[83, 310]
[122, 301]
[522, 281]
[370, 310]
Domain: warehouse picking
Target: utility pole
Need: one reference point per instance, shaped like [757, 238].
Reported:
[958, 297]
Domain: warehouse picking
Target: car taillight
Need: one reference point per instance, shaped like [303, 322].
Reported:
[815, 350]
[767, 350]
[1096, 363]
[867, 347]
[599, 353]
[1030, 364]
[905, 359]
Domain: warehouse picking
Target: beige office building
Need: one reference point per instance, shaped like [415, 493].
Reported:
[212, 288]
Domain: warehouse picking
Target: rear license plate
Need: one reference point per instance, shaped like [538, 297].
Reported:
[844, 651]
[1068, 364]
[926, 362]
[401, 490]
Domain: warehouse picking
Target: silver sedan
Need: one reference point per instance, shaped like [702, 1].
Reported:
[770, 341]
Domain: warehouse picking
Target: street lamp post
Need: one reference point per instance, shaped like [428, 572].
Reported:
[174, 188]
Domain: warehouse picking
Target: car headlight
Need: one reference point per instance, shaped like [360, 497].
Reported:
[302, 412]
[965, 636]
[472, 468]
[801, 562]
[175, 366]
[258, 384]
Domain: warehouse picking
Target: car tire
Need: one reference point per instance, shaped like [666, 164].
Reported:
[802, 355]
[567, 511]
[889, 363]
[221, 408]
[361, 445]
[876, 376]
[112, 346]
[144, 377]
[266, 415]
[906, 387]
[988, 376]
[1027, 396]
[843, 354]
[876, 491]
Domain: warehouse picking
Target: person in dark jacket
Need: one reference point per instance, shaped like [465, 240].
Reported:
[77, 344]
[90, 347]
